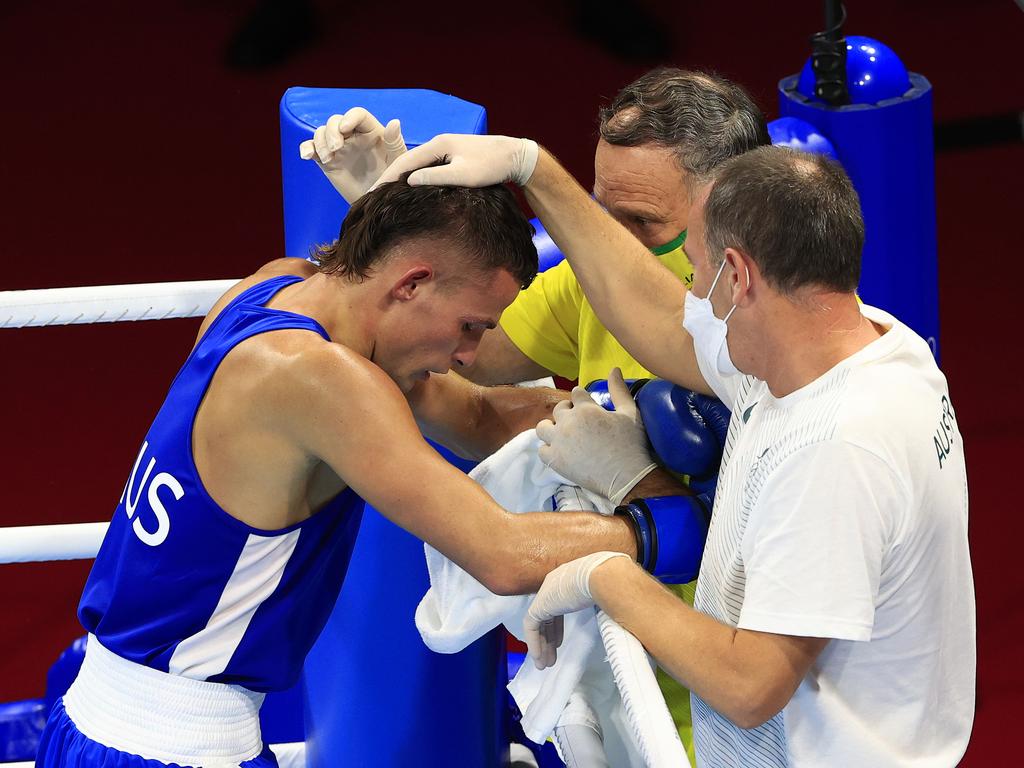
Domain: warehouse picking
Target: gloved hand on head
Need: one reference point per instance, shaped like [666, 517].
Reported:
[469, 161]
[354, 150]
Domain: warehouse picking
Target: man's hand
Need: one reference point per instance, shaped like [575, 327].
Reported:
[469, 161]
[603, 451]
[353, 150]
[565, 590]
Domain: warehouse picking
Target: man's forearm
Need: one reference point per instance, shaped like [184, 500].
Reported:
[506, 411]
[475, 421]
[660, 482]
[534, 544]
[746, 676]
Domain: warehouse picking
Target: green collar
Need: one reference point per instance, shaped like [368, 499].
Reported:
[661, 250]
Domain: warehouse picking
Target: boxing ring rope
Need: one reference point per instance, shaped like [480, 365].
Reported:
[109, 303]
[82, 306]
[44, 543]
[76, 541]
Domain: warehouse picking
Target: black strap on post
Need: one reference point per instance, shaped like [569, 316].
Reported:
[828, 57]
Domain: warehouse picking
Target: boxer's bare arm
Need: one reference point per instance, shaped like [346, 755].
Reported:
[475, 421]
[499, 361]
[341, 408]
[635, 296]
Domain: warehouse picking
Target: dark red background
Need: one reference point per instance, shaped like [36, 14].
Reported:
[129, 152]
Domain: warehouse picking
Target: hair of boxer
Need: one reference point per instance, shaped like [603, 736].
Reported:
[796, 215]
[486, 224]
[703, 118]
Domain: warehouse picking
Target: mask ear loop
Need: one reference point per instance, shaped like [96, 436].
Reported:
[715, 281]
[729, 313]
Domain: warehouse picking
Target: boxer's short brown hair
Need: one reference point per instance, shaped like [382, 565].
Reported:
[485, 223]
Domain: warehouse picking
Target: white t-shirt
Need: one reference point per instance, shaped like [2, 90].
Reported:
[841, 512]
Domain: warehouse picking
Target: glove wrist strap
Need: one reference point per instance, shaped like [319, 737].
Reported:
[670, 533]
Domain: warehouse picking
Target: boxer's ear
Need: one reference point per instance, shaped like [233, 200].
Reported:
[408, 284]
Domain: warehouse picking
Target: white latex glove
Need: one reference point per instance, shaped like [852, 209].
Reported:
[604, 451]
[565, 590]
[353, 150]
[470, 161]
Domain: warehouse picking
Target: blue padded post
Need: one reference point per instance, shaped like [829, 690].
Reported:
[885, 142]
[312, 209]
[375, 695]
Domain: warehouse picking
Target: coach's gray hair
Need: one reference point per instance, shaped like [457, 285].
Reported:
[794, 213]
[702, 118]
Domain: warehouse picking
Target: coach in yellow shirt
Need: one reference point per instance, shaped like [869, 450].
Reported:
[661, 136]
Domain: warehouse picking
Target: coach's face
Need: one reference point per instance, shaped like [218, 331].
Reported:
[644, 189]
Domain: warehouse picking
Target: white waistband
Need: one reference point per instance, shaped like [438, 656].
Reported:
[163, 717]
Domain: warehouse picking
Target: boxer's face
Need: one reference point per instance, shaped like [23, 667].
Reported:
[644, 189]
[441, 328]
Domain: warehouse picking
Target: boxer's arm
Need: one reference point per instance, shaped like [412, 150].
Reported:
[343, 410]
[635, 296]
[660, 482]
[499, 361]
[475, 421]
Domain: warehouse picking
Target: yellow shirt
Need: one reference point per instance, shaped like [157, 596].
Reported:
[553, 324]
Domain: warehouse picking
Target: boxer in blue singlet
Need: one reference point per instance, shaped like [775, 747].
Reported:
[232, 535]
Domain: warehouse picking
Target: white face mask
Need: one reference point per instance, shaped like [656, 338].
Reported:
[708, 332]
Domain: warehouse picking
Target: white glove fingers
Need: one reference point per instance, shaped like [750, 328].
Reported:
[560, 409]
[580, 396]
[550, 649]
[621, 398]
[358, 120]
[320, 143]
[546, 432]
[306, 150]
[557, 632]
[449, 175]
[423, 155]
[332, 133]
[394, 143]
[534, 640]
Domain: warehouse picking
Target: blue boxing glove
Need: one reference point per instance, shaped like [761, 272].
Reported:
[599, 393]
[687, 434]
[686, 430]
[670, 533]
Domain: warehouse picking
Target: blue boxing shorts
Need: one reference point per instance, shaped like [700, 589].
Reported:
[118, 714]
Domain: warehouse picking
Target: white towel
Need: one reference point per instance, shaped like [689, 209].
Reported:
[458, 609]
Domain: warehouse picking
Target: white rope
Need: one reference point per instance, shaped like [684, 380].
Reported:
[109, 303]
[650, 722]
[42, 543]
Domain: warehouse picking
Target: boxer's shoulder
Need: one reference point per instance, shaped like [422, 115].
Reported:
[276, 268]
[298, 369]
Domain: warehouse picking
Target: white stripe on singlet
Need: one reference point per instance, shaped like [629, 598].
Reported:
[256, 575]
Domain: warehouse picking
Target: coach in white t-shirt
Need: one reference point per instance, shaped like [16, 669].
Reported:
[834, 618]
[836, 574]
